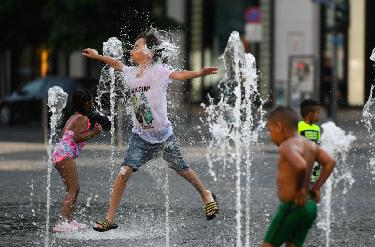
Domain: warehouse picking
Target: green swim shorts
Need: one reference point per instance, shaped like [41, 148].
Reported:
[291, 223]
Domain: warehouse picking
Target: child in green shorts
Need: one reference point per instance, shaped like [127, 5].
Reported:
[297, 210]
[307, 127]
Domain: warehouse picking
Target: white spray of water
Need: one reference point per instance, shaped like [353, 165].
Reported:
[368, 117]
[372, 57]
[57, 99]
[88, 200]
[158, 170]
[112, 117]
[337, 143]
[111, 48]
[138, 233]
[167, 227]
[108, 83]
[234, 124]
[168, 50]
[33, 212]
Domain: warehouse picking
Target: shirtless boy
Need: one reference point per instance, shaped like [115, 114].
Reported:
[297, 210]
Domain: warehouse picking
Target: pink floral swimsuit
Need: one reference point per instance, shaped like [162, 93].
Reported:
[67, 147]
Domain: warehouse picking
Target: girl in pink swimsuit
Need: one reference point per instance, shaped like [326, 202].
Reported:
[75, 133]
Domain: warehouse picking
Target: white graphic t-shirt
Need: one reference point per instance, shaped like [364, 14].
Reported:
[149, 101]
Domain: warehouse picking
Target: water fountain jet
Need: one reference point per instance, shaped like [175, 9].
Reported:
[57, 99]
[337, 143]
[234, 123]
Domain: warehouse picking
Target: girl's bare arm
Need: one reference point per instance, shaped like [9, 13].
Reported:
[80, 127]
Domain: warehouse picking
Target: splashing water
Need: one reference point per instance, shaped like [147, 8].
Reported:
[368, 118]
[109, 82]
[234, 123]
[57, 99]
[337, 143]
[167, 49]
[167, 227]
[372, 57]
[108, 76]
[158, 170]
[367, 115]
[113, 48]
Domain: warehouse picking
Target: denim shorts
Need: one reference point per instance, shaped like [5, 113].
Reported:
[140, 151]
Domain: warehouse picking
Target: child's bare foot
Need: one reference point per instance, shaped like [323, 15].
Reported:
[64, 227]
[78, 225]
[207, 197]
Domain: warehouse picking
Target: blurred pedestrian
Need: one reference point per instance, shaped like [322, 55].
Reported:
[307, 127]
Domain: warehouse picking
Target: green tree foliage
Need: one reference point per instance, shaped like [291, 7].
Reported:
[22, 23]
[73, 24]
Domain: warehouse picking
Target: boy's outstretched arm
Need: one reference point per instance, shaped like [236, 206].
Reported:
[93, 54]
[187, 74]
[327, 163]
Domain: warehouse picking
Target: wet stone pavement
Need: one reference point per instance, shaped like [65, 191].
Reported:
[141, 216]
[142, 213]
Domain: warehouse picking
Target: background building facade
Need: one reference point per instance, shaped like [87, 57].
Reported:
[293, 42]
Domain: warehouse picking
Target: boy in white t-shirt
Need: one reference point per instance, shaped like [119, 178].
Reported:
[152, 132]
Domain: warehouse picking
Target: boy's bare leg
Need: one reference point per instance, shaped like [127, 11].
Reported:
[118, 191]
[68, 172]
[193, 178]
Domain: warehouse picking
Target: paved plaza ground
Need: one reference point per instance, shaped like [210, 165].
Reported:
[141, 217]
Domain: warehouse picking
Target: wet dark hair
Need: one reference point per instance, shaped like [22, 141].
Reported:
[79, 99]
[152, 42]
[286, 115]
[307, 106]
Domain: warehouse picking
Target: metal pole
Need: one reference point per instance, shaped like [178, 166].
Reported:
[334, 85]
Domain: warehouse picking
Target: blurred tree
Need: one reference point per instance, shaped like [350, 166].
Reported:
[88, 23]
[22, 23]
[73, 24]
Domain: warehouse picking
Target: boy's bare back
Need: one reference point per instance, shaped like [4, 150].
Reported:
[297, 157]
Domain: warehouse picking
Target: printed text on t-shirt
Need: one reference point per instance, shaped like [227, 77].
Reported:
[140, 89]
